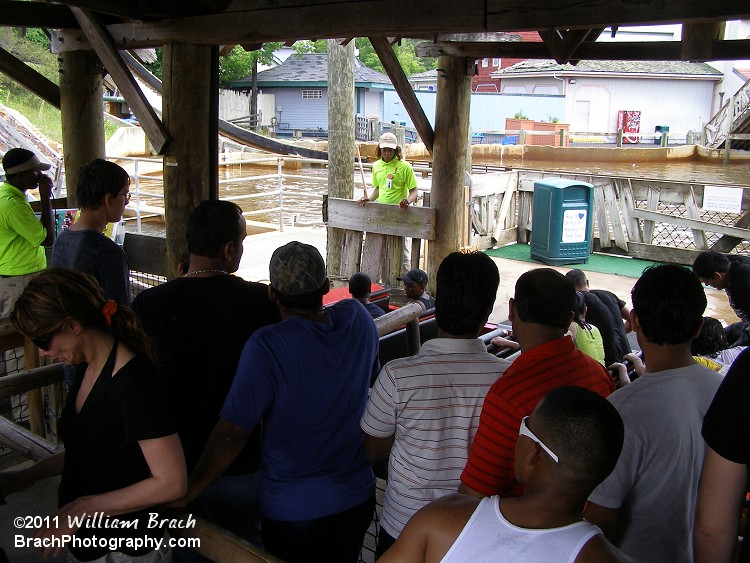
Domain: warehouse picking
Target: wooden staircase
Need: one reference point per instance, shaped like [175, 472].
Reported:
[731, 122]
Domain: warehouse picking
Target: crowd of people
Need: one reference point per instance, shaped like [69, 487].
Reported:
[252, 404]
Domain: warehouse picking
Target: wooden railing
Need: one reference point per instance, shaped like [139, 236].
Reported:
[654, 220]
[728, 119]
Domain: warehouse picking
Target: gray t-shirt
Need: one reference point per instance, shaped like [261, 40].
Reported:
[93, 253]
[655, 482]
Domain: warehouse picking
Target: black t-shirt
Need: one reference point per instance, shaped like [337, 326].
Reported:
[199, 326]
[726, 426]
[738, 286]
[604, 313]
[101, 443]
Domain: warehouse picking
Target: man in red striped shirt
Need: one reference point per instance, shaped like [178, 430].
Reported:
[540, 311]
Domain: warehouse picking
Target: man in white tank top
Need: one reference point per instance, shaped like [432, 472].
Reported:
[568, 445]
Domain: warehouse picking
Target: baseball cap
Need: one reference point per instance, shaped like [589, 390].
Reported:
[388, 141]
[21, 160]
[297, 269]
[415, 276]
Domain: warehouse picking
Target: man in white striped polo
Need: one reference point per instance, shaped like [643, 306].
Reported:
[424, 410]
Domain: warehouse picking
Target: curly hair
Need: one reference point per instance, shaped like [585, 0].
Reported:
[399, 153]
[711, 339]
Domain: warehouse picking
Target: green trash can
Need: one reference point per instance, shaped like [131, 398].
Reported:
[562, 221]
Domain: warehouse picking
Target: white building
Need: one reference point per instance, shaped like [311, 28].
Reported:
[676, 94]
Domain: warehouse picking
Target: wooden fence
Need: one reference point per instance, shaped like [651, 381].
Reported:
[654, 220]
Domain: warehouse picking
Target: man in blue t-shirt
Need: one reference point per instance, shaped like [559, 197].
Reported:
[360, 287]
[307, 379]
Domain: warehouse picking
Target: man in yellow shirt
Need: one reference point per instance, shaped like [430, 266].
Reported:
[392, 176]
[22, 236]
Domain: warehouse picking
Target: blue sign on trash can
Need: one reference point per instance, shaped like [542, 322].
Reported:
[562, 221]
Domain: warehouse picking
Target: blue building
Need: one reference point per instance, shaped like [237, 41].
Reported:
[300, 88]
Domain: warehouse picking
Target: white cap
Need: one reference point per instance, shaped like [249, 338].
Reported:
[388, 141]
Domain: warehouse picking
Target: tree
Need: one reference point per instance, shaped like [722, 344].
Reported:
[405, 53]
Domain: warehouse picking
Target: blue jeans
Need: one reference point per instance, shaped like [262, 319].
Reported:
[336, 538]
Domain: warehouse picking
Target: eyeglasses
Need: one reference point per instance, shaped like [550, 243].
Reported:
[126, 195]
[525, 431]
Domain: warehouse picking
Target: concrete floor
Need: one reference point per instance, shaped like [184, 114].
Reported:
[258, 250]
[41, 499]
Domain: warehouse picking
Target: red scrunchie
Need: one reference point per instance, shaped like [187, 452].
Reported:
[108, 309]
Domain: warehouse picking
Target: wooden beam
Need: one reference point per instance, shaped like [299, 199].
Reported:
[290, 20]
[25, 442]
[698, 38]
[659, 253]
[620, 51]
[655, 216]
[726, 243]
[36, 14]
[552, 40]
[616, 51]
[81, 113]
[24, 381]
[218, 544]
[384, 219]
[102, 43]
[451, 143]
[29, 78]
[340, 140]
[122, 8]
[405, 91]
[512, 15]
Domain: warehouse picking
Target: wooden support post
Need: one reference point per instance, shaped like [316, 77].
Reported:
[35, 397]
[451, 134]
[698, 40]
[191, 114]
[340, 141]
[81, 114]
[619, 138]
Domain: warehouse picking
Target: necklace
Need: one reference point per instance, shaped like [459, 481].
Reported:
[220, 272]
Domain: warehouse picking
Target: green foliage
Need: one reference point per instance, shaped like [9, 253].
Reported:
[45, 117]
[34, 54]
[520, 115]
[36, 35]
[319, 46]
[157, 67]
[405, 52]
[33, 51]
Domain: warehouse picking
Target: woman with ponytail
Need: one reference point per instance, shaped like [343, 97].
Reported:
[122, 455]
[587, 337]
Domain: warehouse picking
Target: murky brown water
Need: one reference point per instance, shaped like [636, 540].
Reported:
[303, 203]
[735, 173]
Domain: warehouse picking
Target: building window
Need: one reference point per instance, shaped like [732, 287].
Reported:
[312, 94]
[496, 62]
[484, 63]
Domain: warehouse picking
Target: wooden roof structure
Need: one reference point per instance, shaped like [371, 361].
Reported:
[192, 32]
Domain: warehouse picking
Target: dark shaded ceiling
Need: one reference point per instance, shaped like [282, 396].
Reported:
[565, 25]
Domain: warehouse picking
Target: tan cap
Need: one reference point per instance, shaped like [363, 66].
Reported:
[388, 141]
